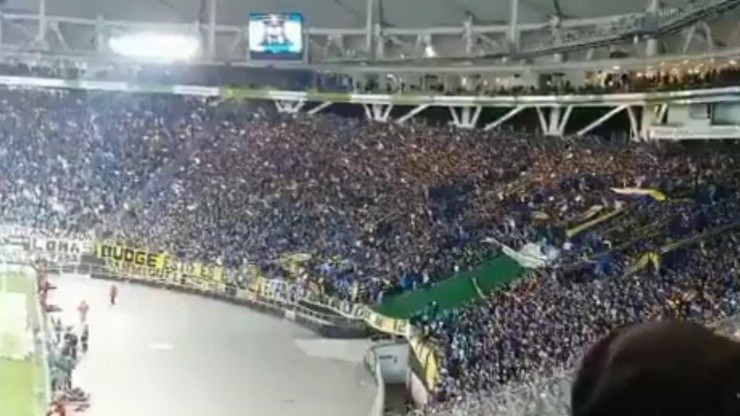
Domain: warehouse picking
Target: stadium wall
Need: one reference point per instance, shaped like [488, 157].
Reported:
[416, 387]
[324, 325]
[373, 363]
[45, 325]
[393, 357]
[388, 360]
[43, 353]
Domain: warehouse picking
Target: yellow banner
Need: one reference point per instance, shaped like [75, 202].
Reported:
[143, 263]
[386, 324]
[650, 257]
[139, 257]
[657, 195]
[428, 360]
[197, 270]
[258, 286]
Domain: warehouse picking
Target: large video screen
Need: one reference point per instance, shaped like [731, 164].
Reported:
[276, 36]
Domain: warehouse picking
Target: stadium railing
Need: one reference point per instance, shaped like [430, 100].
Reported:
[279, 304]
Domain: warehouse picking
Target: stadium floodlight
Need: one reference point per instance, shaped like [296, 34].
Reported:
[159, 46]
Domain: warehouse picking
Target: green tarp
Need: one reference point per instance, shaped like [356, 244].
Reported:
[456, 291]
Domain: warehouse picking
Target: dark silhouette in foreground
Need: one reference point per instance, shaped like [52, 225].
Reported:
[667, 368]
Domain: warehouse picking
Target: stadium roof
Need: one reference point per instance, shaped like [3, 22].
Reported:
[337, 13]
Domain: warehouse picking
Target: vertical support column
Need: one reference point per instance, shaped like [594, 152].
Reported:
[557, 34]
[99, 34]
[634, 125]
[688, 38]
[370, 29]
[468, 117]
[512, 35]
[564, 121]
[652, 115]
[378, 112]
[648, 118]
[651, 48]
[212, 28]
[289, 107]
[2, 18]
[541, 117]
[468, 37]
[41, 35]
[553, 125]
[708, 35]
[379, 52]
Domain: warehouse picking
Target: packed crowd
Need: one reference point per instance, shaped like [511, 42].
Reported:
[69, 161]
[539, 326]
[371, 209]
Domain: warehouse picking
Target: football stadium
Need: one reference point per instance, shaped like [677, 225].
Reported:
[370, 208]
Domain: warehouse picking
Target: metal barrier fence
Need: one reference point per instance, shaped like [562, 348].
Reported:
[222, 290]
[294, 293]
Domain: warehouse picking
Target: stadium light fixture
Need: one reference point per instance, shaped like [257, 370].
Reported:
[159, 46]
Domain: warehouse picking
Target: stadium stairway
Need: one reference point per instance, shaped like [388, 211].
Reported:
[396, 399]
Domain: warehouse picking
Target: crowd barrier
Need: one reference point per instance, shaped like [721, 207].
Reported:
[110, 260]
[388, 325]
[328, 325]
[300, 294]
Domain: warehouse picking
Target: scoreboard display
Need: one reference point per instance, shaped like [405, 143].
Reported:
[276, 36]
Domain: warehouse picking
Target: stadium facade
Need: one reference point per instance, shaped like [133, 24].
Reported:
[477, 68]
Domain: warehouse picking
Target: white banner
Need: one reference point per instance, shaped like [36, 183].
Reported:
[19, 232]
[16, 235]
[62, 251]
[530, 256]
[282, 291]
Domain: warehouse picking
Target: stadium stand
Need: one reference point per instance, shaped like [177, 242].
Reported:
[379, 210]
